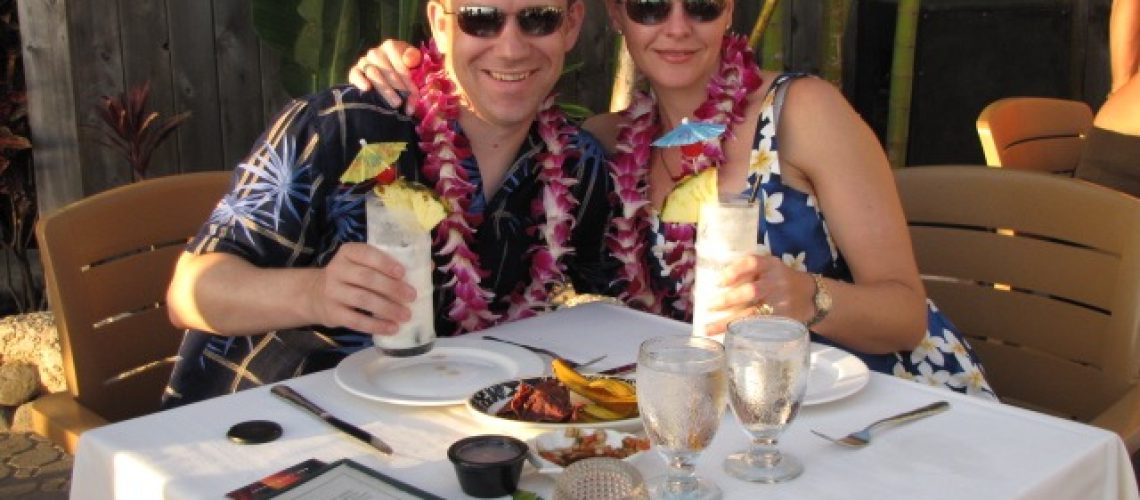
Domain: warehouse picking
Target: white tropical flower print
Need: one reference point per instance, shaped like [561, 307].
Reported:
[772, 208]
[900, 371]
[974, 381]
[796, 262]
[930, 348]
[760, 164]
[929, 376]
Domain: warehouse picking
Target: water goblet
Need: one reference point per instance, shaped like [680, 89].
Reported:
[768, 361]
[682, 395]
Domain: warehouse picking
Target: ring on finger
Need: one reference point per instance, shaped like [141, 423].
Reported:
[764, 309]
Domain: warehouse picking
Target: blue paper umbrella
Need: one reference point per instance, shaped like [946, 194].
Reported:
[689, 133]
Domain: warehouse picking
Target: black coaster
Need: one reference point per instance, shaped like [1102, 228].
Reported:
[254, 432]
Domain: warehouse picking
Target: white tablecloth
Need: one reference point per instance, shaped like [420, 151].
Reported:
[977, 449]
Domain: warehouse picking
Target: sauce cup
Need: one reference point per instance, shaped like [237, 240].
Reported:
[488, 466]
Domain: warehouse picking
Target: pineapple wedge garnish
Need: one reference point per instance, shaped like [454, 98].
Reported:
[420, 200]
[683, 205]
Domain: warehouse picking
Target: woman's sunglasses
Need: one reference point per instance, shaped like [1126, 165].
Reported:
[487, 22]
[651, 12]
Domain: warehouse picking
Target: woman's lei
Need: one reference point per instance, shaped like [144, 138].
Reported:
[737, 77]
[438, 110]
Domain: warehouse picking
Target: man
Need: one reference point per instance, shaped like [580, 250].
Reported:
[277, 283]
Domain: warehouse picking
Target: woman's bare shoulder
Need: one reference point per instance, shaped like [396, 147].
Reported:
[1121, 112]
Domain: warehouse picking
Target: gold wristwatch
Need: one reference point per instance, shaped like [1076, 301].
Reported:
[822, 301]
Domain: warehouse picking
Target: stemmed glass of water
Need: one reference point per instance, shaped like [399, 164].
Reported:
[681, 393]
[768, 360]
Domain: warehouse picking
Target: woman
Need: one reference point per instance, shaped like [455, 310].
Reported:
[838, 253]
[1111, 155]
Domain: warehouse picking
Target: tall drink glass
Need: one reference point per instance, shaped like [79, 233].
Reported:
[681, 395]
[726, 232]
[396, 232]
[768, 359]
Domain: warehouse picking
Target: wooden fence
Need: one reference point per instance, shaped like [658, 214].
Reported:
[199, 55]
[203, 56]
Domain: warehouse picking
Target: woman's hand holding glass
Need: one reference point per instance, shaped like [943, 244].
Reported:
[755, 280]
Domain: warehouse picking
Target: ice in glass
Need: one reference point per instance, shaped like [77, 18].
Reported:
[396, 232]
[726, 232]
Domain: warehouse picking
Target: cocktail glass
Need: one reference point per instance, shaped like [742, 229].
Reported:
[397, 233]
[726, 232]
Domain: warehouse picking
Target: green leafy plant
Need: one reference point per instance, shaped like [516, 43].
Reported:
[320, 39]
[134, 130]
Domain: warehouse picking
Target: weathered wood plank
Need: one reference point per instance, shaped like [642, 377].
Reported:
[146, 57]
[78, 50]
[51, 102]
[239, 81]
[195, 77]
[273, 95]
[1096, 71]
[96, 56]
[806, 23]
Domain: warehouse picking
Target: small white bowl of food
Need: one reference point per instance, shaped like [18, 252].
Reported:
[552, 451]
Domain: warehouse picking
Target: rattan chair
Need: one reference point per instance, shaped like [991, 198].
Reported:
[108, 260]
[1042, 274]
[1034, 133]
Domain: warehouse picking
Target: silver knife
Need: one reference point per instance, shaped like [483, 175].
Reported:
[287, 393]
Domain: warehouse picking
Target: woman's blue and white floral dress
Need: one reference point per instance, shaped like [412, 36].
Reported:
[793, 228]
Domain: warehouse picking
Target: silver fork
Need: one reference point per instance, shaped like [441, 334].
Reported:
[539, 350]
[861, 438]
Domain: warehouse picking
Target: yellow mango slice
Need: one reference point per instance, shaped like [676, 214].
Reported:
[613, 395]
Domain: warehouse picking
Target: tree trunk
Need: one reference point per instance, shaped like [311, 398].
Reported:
[625, 78]
[834, 24]
[772, 57]
[762, 21]
[902, 81]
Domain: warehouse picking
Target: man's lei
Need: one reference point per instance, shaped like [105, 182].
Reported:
[438, 111]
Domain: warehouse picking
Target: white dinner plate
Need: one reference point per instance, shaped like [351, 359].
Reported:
[446, 375]
[485, 404]
[835, 374]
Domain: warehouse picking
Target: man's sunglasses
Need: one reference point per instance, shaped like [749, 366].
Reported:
[487, 22]
[651, 12]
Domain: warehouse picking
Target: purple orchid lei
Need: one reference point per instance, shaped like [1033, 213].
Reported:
[737, 77]
[437, 110]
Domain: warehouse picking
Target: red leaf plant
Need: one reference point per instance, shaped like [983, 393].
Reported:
[134, 130]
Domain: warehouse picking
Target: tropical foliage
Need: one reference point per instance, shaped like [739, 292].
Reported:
[318, 40]
[133, 130]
